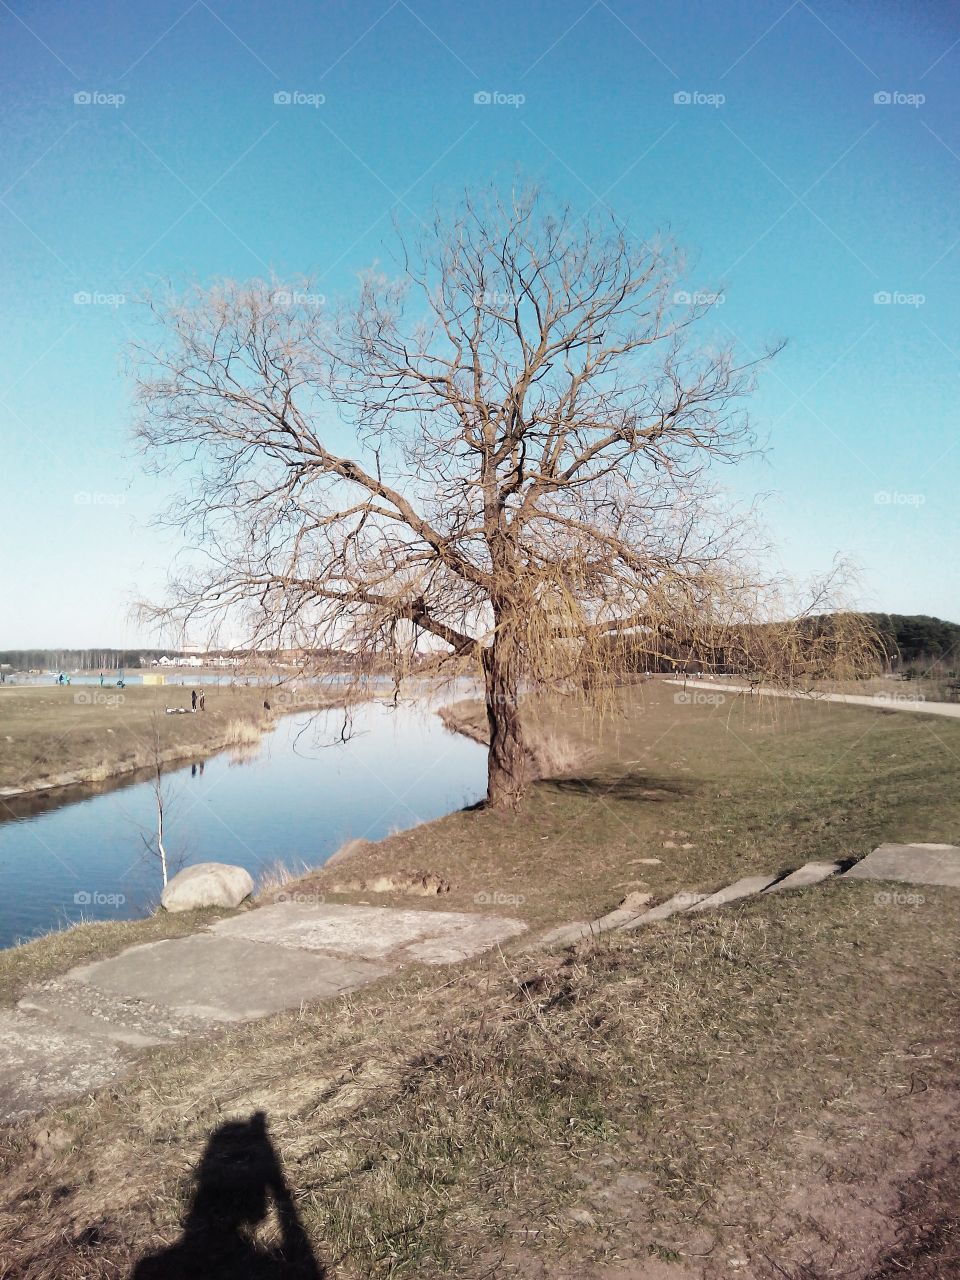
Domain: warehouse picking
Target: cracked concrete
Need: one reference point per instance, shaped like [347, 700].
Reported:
[79, 1032]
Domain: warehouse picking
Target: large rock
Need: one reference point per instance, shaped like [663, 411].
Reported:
[208, 884]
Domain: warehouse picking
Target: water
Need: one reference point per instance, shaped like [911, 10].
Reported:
[296, 800]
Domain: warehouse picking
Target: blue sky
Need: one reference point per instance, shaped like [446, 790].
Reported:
[794, 191]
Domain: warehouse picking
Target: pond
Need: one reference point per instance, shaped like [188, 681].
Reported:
[295, 799]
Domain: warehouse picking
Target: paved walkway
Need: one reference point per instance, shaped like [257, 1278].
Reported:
[888, 702]
[81, 1031]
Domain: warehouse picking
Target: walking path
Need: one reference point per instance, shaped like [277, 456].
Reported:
[884, 702]
[77, 1033]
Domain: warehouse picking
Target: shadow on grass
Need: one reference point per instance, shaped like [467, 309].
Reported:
[238, 1177]
[632, 788]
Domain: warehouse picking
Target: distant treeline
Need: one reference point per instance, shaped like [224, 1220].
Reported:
[71, 659]
[893, 641]
[917, 640]
[904, 642]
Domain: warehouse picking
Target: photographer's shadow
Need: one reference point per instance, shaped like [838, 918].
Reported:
[237, 1178]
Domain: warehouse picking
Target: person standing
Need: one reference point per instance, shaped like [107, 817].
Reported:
[193, 699]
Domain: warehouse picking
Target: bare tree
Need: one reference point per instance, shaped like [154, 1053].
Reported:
[154, 844]
[502, 458]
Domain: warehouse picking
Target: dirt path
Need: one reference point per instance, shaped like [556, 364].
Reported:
[895, 703]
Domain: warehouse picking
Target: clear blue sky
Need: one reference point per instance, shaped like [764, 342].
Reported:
[800, 196]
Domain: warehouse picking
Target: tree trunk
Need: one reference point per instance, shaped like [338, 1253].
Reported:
[506, 759]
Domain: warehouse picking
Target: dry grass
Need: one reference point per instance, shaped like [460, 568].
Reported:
[275, 876]
[672, 795]
[541, 1115]
[242, 733]
[551, 751]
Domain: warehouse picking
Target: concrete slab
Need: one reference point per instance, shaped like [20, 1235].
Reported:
[809, 873]
[224, 979]
[745, 888]
[374, 933]
[78, 1006]
[576, 931]
[79, 1032]
[634, 905]
[40, 1064]
[912, 863]
[683, 901]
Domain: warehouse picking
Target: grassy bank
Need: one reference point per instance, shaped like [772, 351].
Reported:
[55, 736]
[770, 1091]
[672, 794]
[717, 1096]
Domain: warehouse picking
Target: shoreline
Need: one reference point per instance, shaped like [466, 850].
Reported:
[127, 931]
[102, 774]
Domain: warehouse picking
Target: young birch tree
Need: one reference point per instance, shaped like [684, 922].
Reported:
[505, 452]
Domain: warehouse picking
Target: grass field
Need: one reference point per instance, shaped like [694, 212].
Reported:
[712, 790]
[62, 735]
[770, 1091]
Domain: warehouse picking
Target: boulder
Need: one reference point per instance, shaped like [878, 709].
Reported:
[208, 884]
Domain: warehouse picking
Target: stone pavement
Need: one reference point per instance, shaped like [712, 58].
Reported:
[912, 863]
[79, 1032]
